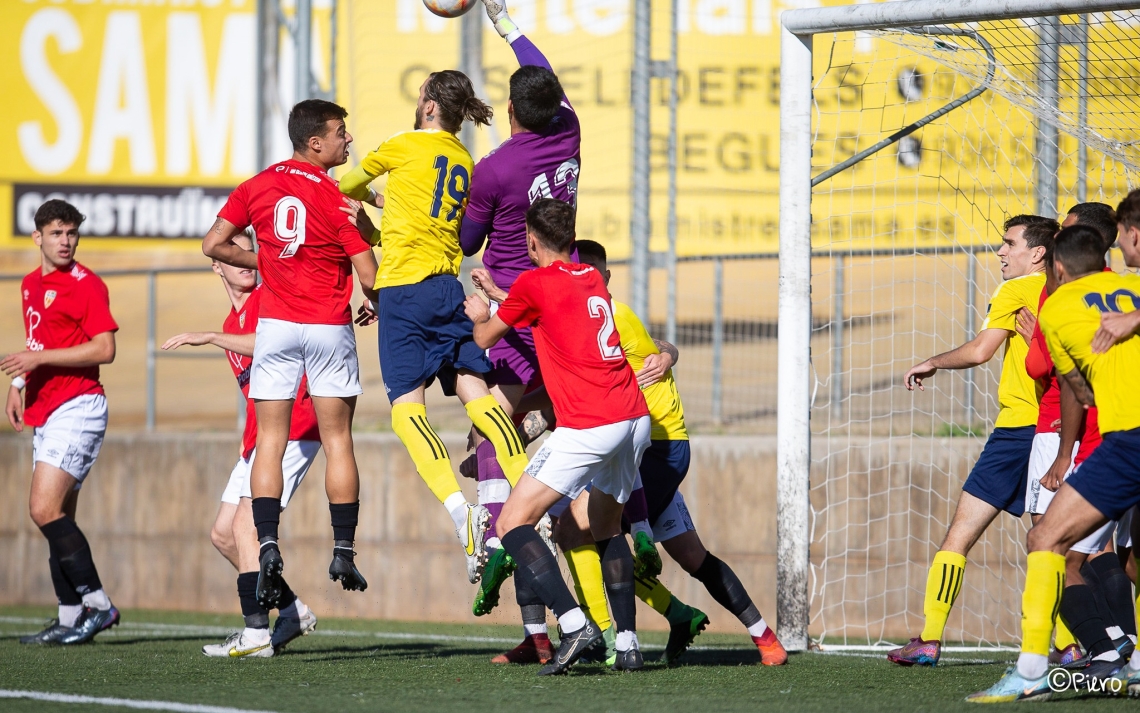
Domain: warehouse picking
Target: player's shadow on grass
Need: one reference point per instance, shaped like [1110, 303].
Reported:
[128, 640]
[716, 657]
[409, 650]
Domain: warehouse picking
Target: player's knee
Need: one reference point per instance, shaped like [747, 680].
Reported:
[688, 552]
[1041, 538]
[43, 513]
[222, 538]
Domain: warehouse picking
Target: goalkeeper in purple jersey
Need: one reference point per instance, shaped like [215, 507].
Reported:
[541, 159]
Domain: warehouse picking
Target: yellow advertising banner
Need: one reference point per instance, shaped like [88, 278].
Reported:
[143, 113]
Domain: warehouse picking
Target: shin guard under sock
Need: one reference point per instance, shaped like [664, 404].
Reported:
[345, 517]
[267, 518]
[1080, 612]
[256, 616]
[543, 576]
[1044, 582]
[943, 582]
[68, 545]
[617, 572]
[409, 421]
[726, 588]
[1116, 588]
[498, 428]
[585, 567]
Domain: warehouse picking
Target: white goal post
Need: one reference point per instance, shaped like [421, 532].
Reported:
[795, 369]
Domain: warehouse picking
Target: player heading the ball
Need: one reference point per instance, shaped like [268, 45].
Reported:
[308, 250]
[424, 332]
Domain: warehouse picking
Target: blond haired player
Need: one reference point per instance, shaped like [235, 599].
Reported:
[424, 333]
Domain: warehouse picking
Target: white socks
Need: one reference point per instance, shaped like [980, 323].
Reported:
[641, 526]
[456, 506]
[255, 636]
[1032, 666]
[532, 629]
[1134, 663]
[1114, 632]
[625, 640]
[757, 630]
[97, 600]
[69, 614]
[295, 610]
[572, 620]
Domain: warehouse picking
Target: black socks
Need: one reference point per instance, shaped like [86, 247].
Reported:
[541, 569]
[725, 587]
[267, 517]
[256, 616]
[69, 548]
[344, 520]
[1080, 613]
[617, 573]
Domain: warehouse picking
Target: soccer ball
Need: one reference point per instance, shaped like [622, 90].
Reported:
[450, 8]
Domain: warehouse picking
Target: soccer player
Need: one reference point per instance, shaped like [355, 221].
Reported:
[998, 479]
[540, 159]
[308, 250]
[424, 333]
[1108, 483]
[70, 332]
[603, 429]
[234, 534]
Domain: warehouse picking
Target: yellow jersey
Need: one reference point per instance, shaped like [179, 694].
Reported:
[1069, 320]
[1018, 394]
[665, 411]
[430, 178]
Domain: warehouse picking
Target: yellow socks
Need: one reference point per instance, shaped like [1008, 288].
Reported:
[942, 586]
[1044, 582]
[426, 448]
[586, 568]
[653, 592]
[1063, 638]
[494, 423]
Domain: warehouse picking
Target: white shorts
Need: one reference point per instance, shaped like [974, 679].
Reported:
[607, 456]
[72, 436]
[286, 351]
[1124, 529]
[299, 456]
[674, 521]
[1041, 458]
[1097, 541]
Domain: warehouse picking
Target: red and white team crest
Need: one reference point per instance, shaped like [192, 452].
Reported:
[49, 297]
[241, 320]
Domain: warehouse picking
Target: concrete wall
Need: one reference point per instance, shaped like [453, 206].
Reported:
[149, 503]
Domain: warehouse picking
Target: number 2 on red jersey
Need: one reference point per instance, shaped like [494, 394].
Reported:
[600, 307]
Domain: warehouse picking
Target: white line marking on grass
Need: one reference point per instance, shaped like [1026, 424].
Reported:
[158, 630]
[124, 702]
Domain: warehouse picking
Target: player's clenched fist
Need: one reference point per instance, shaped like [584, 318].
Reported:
[914, 377]
[482, 279]
[476, 309]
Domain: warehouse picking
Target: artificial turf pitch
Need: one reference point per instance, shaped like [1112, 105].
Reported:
[356, 665]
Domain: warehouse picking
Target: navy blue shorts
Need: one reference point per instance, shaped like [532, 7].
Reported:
[1110, 478]
[663, 467]
[424, 333]
[999, 477]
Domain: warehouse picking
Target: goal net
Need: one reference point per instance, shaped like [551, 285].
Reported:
[1029, 115]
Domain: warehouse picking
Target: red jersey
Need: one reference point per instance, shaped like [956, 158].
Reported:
[579, 351]
[1039, 366]
[304, 242]
[64, 308]
[303, 424]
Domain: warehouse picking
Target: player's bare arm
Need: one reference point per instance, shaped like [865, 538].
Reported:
[655, 366]
[1115, 327]
[973, 353]
[236, 343]
[488, 329]
[1081, 388]
[219, 245]
[14, 408]
[667, 348]
[100, 350]
[481, 278]
[360, 218]
[1072, 416]
[1026, 323]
